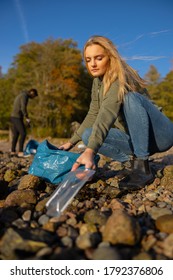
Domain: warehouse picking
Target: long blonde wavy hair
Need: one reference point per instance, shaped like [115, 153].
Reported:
[118, 69]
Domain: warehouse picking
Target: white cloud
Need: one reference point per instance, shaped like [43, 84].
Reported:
[150, 34]
[159, 32]
[144, 57]
[22, 19]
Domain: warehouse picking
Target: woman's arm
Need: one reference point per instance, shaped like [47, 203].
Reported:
[106, 117]
[90, 117]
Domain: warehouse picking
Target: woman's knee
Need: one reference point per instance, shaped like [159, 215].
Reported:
[86, 134]
[130, 99]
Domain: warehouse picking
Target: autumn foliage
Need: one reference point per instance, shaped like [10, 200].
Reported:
[56, 69]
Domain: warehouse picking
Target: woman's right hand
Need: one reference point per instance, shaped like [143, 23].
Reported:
[86, 158]
[67, 146]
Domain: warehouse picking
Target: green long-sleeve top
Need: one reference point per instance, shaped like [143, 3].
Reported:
[20, 106]
[104, 112]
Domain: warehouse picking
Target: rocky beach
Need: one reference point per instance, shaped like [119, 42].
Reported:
[101, 223]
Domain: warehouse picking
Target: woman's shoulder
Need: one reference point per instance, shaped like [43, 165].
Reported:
[114, 86]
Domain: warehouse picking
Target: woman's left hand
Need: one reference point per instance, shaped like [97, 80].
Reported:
[67, 146]
[87, 159]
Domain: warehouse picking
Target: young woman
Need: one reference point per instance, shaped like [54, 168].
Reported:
[122, 123]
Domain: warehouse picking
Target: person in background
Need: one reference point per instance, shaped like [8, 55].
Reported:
[18, 115]
[122, 122]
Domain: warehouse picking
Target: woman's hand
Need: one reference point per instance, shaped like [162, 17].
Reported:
[67, 146]
[86, 158]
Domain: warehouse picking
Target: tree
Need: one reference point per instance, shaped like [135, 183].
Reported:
[54, 68]
[6, 101]
[1, 75]
[162, 94]
[153, 76]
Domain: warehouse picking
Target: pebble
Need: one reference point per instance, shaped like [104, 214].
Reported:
[84, 241]
[161, 204]
[152, 196]
[101, 222]
[43, 219]
[106, 253]
[67, 241]
[27, 215]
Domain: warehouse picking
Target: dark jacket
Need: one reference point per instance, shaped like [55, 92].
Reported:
[20, 106]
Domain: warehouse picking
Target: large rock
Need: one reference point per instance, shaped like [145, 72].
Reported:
[29, 182]
[165, 223]
[13, 245]
[21, 198]
[167, 180]
[121, 228]
[156, 212]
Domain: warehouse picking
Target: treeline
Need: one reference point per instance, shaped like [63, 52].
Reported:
[161, 90]
[56, 69]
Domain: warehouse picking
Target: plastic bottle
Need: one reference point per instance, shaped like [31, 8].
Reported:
[66, 190]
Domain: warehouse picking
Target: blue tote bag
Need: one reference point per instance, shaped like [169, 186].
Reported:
[52, 164]
[31, 147]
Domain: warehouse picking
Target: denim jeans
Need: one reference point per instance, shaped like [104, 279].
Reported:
[149, 131]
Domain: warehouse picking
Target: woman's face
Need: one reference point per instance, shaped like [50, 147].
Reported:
[96, 60]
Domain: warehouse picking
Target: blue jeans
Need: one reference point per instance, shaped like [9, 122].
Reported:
[149, 131]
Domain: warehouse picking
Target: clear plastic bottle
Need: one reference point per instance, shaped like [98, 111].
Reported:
[66, 190]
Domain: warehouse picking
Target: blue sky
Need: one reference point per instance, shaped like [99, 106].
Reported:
[142, 30]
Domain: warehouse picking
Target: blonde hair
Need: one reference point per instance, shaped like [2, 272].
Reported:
[118, 69]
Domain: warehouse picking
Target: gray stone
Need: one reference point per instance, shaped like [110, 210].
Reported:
[106, 253]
